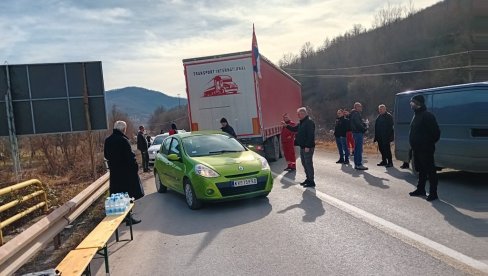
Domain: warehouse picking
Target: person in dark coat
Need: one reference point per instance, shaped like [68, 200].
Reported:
[305, 139]
[383, 135]
[358, 128]
[148, 138]
[340, 130]
[424, 133]
[288, 143]
[122, 164]
[143, 147]
[227, 128]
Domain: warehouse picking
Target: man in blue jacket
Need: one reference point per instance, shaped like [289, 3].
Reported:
[358, 128]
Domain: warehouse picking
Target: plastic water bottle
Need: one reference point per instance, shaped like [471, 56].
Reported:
[107, 206]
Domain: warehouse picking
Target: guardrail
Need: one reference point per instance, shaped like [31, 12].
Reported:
[16, 202]
[22, 247]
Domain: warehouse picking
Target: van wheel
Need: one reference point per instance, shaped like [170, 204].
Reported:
[191, 198]
[272, 149]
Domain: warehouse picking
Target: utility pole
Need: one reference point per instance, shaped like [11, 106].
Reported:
[179, 106]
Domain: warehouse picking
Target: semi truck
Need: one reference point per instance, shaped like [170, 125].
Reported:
[226, 86]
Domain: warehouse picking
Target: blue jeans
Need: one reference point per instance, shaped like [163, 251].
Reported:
[358, 149]
[342, 147]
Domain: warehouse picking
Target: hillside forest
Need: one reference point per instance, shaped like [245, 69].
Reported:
[404, 50]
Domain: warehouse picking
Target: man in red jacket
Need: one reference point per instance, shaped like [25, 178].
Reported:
[287, 143]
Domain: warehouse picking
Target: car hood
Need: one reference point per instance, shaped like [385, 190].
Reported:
[245, 161]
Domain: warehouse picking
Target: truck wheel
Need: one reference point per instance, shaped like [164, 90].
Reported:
[272, 149]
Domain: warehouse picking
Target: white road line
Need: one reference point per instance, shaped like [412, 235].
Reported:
[437, 250]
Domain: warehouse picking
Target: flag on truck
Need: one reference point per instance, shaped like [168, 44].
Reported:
[256, 64]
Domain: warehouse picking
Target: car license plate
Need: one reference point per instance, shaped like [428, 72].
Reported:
[245, 182]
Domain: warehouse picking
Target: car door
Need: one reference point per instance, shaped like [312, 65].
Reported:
[162, 163]
[176, 168]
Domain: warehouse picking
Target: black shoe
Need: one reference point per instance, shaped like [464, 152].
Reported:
[404, 166]
[417, 193]
[361, 168]
[382, 163]
[389, 165]
[340, 161]
[286, 169]
[309, 184]
[134, 221]
[432, 197]
[346, 162]
[292, 169]
[304, 182]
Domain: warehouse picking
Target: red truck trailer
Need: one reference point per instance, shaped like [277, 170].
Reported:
[225, 86]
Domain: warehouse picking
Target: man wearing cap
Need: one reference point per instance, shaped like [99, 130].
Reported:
[424, 133]
[142, 146]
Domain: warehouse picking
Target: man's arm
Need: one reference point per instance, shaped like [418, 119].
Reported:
[292, 128]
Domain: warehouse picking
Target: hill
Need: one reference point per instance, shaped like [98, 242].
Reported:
[403, 50]
[140, 103]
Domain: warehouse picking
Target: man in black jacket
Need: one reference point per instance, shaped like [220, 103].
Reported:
[424, 133]
[305, 139]
[122, 164]
[340, 130]
[383, 134]
[142, 146]
[227, 128]
[358, 128]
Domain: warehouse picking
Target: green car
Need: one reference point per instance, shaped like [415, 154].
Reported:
[210, 167]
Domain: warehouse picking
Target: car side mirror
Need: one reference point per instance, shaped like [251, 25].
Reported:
[173, 157]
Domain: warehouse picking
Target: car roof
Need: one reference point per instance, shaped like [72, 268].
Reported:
[199, 133]
[445, 88]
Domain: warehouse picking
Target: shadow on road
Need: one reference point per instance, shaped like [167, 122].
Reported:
[311, 204]
[473, 226]
[164, 213]
[287, 184]
[372, 180]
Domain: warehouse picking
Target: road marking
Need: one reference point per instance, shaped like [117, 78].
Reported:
[437, 250]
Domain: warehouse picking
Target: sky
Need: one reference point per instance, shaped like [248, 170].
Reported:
[142, 43]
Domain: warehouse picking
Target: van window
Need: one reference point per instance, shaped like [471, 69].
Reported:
[464, 107]
[404, 113]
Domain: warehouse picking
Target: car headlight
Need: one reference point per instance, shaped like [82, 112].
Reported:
[264, 163]
[205, 171]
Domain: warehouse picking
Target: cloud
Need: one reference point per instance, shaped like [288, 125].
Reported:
[143, 42]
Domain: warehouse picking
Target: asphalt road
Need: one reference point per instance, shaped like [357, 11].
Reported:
[297, 231]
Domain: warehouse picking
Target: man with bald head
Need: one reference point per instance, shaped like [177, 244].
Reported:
[383, 135]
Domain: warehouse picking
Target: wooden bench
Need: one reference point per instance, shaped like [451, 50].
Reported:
[77, 262]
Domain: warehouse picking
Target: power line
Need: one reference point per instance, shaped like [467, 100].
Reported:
[380, 74]
[384, 64]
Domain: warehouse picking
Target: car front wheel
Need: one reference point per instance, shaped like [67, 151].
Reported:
[190, 196]
[159, 185]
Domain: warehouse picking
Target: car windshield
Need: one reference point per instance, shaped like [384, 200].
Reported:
[159, 139]
[204, 145]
